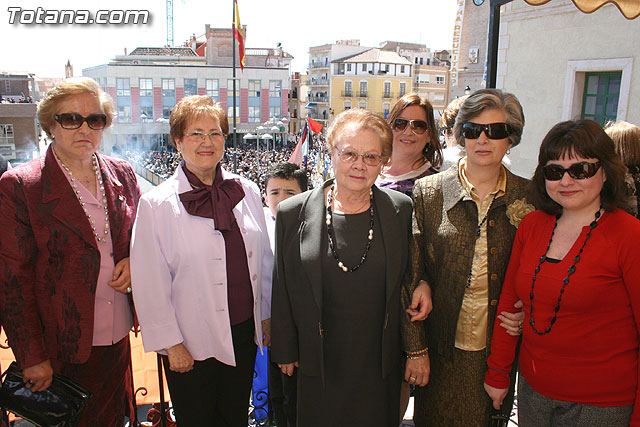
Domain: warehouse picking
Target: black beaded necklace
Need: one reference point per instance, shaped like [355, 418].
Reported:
[330, 231]
[565, 282]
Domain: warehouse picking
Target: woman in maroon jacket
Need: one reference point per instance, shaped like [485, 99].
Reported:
[66, 222]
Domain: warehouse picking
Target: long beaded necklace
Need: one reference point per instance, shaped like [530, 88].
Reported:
[565, 282]
[478, 233]
[330, 231]
[74, 185]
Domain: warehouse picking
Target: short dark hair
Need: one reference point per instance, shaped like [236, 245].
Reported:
[286, 170]
[587, 139]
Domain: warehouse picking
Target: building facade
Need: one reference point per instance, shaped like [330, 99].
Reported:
[372, 80]
[564, 64]
[298, 100]
[147, 84]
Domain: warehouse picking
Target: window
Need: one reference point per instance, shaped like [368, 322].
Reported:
[230, 88]
[146, 87]
[212, 89]
[254, 88]
[601, 95]
[364, 67]
[230, 114]
[7, 86]
[254, 114]
[274, 89]
[403, 88]
[347, 105]
[402, 69]
[421, 61]
[124, 113]
[146, 114]
[168, 88]
[438, 97]
[439, 80]
[386, 68]
[362, 104]
[386, 107]
[123, 87]
[274, 111]
[423, 78]
[387, 90]
[348, 67]
[190, 87]
[347, 88]
[6, 134]
[363, 89]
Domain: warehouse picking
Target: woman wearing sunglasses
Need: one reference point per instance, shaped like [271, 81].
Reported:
[201, 267]
[341, 253]
[576, 266]
[465, 220]
[416, 146]
[65, 287]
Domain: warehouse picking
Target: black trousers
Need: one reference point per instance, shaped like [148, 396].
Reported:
[215, 394]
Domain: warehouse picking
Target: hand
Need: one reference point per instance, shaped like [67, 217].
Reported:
[266, 332]
[421, 304]
[512, 322]
[180, 359]
[38, 377]
[417, 371]
[496, 394]
[122, 277]
[287, 368]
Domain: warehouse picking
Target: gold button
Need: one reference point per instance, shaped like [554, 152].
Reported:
[494, 276]
[494, 251]
[492, 223]
[494, 302]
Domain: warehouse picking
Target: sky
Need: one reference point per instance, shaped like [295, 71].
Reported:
[43, 49]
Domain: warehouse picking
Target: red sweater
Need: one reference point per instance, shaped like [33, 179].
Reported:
[591, 354]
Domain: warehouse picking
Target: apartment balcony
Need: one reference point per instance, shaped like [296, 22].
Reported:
[388, 95]
[314, 65]
[362, 94]
[346, 94]
[318, 82]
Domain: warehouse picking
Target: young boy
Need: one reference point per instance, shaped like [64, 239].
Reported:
[283, 180]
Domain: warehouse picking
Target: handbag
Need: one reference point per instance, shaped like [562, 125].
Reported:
[60, 405]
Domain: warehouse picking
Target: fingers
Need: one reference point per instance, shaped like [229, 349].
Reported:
[288, 368]
[38, 385]
[518, 304]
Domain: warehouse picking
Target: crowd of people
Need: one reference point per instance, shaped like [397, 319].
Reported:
[14, 100]
[394, 273]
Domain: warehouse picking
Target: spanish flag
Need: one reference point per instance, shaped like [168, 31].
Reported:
[238, 34]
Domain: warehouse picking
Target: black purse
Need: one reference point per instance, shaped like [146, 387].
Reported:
[60, 405]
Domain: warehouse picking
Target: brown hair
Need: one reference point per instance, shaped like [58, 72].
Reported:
[450, 113]
[48, 107]
[626, 138]
[361, 119]
[432, 151]
[192, 108]
[587, 139]
[486, 99]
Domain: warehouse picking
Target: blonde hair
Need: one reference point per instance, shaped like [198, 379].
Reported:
[361, 119]
[192, 108]
[48, 107]
[626, 138]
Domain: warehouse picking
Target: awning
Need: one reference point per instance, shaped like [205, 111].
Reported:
[310, 106]
[629, 8]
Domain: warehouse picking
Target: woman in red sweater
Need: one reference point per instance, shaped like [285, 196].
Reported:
[576, 266]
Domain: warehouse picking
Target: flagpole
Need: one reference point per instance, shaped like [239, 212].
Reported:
[233, 37]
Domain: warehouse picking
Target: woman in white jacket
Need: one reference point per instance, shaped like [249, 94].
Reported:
[201, 273]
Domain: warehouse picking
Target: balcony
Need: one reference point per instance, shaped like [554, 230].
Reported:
[362, 94]
[318, 82]
[346, 94]
[388, 95]
[319, 64]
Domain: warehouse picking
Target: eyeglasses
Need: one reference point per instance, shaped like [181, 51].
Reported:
[582, 170]
[350, 156]
[202, 136]
[419, 127]
[492, 130]
[74, 121]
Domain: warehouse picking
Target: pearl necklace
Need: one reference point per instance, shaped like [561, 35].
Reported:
[565, 282]
[330, 231]
[74, 185]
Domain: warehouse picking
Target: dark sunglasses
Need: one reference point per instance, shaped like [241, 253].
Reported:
[492, 130]
[74, 121]
[419, 127]
[444, 131]
[582, 170]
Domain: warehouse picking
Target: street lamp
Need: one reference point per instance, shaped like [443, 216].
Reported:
[467, 90]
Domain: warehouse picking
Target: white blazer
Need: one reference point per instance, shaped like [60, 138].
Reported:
[178, 271]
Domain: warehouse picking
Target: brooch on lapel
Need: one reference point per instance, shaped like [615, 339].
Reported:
[517, 210]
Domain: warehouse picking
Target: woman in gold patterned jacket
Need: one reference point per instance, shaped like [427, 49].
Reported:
[464, 223]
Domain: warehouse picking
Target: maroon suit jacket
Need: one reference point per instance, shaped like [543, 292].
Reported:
[49, 258]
